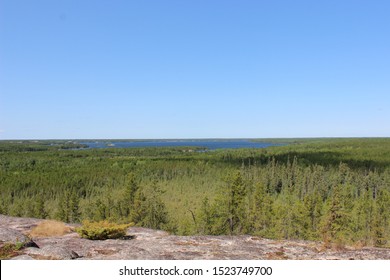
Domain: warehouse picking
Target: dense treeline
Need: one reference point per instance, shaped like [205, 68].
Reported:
[334, 190]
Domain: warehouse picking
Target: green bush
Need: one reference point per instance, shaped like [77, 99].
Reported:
[9, 250]
[102, 230]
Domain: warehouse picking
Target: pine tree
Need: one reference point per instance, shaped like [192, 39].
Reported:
[140, 208]
[4, 205]
[150, 210]
[366, 215]
[63, 208]
[261, 213]
[235, 203]
[157, 215]
[381, 218]
[205, 217]
[130, 192]
[74, 211]
[333, 224]
[68, 204]
[39, 208]
[100, 212]
[313, 204]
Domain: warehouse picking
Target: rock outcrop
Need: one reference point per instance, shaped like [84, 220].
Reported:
[142, 243]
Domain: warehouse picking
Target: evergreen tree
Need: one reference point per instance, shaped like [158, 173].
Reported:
[39, 208]
[100, 210]
[157, 215]
[74, 212]
[333, 224]
[149, 210]
[63, 209]
[206, 218]
[230, 208]
[68, 207]
[4, 205]
[313, 205]
[130, 192]
[364, 216]
[381, 218]
[140, 208]
[261, 213]
[291, 217]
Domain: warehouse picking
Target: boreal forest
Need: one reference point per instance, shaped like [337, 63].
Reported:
[331, 190]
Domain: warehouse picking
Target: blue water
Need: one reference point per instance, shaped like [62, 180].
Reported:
[209, 144]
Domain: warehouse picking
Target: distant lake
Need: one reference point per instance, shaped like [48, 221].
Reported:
[209, 144]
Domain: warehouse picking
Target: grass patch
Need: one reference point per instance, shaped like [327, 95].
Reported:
[50, 228]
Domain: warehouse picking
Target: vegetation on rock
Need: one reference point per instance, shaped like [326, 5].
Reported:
[10, 250]
[335, 190]
[102, 230]
[50, 228]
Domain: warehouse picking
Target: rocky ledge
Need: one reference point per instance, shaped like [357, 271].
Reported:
[147, 244]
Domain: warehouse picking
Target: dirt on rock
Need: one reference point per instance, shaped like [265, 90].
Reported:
[148, 244]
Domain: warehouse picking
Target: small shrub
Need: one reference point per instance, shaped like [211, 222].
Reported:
[102, 230]
[10, 250]
[50, 228]
[19, 245]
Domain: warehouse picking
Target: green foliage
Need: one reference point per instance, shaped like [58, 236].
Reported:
[334, 218]
[261, 212]
[205, 217]
[381, 219]
[102, 230]
[150, 210]
[10, 250]
[230, 205]
[314, 209]
[39, 208]
[337, 190]
[140, 211]
[129, 194]
[68, 210]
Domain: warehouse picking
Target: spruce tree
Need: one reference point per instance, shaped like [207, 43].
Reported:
[206, 217]
[150, 210]
[261, 213]
[39, 207]
[381, 218]
[129, 195]
[333, 223]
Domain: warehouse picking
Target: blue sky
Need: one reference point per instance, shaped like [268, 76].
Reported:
[194, 69]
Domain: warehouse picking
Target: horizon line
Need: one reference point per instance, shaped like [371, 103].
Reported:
[200, 138]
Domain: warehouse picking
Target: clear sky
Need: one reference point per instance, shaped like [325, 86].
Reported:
[194, 69]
